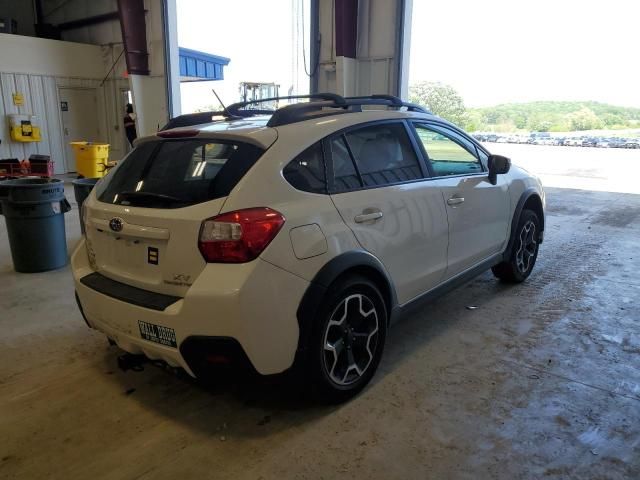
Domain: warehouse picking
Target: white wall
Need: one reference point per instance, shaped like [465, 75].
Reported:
[37, 68]
[49, 57]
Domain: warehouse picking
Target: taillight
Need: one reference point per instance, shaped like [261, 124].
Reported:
[240, 236]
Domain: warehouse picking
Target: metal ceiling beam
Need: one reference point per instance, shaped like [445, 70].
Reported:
[85, 22]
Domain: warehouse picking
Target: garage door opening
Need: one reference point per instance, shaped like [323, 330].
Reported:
[242, 49]
[549, 84]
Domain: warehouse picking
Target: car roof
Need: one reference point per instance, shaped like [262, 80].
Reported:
[254, 129]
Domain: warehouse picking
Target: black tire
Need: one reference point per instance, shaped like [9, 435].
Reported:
[362, 339]
[524, 251]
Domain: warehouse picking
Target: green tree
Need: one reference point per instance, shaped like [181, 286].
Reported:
[584, 119]
[473, 121]
[443, 100]
[612, 119]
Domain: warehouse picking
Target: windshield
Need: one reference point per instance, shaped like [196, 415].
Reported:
[177, 173]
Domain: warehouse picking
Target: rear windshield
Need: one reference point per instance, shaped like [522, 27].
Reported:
[177, 173]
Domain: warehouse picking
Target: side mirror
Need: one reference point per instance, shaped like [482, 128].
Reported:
[498, 165]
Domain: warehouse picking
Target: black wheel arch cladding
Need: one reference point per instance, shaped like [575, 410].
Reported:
[356, 262]
[530, 199]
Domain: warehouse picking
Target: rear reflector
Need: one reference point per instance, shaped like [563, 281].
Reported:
[240, 236]
[177, 133]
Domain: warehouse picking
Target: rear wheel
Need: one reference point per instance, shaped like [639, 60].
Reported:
[524, 252]
[348, 338]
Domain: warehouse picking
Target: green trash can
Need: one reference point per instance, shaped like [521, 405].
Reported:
[34, 210]
[81, 190]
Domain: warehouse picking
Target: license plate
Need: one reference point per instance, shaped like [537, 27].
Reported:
[158, 334]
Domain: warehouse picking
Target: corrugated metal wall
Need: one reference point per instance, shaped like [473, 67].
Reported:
[41, 99]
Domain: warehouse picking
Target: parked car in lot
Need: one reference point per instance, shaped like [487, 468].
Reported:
[573, 142]
[292, 240]
[480, 137]
[632, 143]
[543, 141]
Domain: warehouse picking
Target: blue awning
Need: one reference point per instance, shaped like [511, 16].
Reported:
[199, 66]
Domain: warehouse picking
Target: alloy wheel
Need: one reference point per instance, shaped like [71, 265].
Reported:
[351, 339]
[527, 249]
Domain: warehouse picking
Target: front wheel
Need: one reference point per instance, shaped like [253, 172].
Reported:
[524, 251]
[348, 338]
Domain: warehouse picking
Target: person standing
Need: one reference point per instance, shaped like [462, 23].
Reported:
[130, 124]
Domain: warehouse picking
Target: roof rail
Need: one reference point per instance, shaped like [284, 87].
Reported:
[235, 107]
[326, 104]
[395, 102]
[303, 111]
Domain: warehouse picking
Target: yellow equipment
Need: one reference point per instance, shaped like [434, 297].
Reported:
[24, 128]
[91, 158]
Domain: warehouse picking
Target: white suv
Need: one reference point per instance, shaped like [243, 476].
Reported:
[295, 238]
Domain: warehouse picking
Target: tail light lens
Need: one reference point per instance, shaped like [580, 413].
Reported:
[240, 236]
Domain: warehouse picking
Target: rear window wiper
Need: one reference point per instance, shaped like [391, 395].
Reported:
[150, 197]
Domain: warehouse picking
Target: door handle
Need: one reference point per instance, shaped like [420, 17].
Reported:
[455, 201]
[368, 216]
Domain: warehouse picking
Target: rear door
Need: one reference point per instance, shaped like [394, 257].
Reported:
[378, 186]
[143, 226]
[477, 211]
[79, 120]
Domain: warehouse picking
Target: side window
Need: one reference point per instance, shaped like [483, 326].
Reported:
[345, 176]
[447, 157]
[384, 154]
[306, 172]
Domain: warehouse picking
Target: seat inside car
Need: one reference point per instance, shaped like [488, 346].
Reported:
[383, 161]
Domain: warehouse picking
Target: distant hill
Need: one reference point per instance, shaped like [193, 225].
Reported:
[552, 117]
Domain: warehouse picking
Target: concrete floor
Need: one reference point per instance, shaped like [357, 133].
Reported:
[542, 380]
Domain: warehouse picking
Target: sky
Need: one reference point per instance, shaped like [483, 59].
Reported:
[498, 51]
[259, 36]
[491, 51]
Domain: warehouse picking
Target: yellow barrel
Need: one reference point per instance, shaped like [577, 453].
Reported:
[91, 158]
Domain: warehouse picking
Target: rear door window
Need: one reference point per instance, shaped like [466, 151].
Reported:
[178, 173]
[384, 154]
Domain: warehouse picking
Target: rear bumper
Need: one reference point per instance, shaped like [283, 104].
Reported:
[253, 304]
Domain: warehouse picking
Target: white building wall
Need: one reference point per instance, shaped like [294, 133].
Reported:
[37, 68]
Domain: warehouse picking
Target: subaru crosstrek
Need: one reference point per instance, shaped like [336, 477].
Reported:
[295, 237]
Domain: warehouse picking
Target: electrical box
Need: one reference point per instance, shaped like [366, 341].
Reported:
[24, 128]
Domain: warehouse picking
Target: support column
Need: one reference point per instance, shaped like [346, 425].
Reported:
[364, 46]
[346, 28]
[144, 38]
[172, 57]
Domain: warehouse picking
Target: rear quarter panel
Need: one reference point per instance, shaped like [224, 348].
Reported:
[264, 186]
